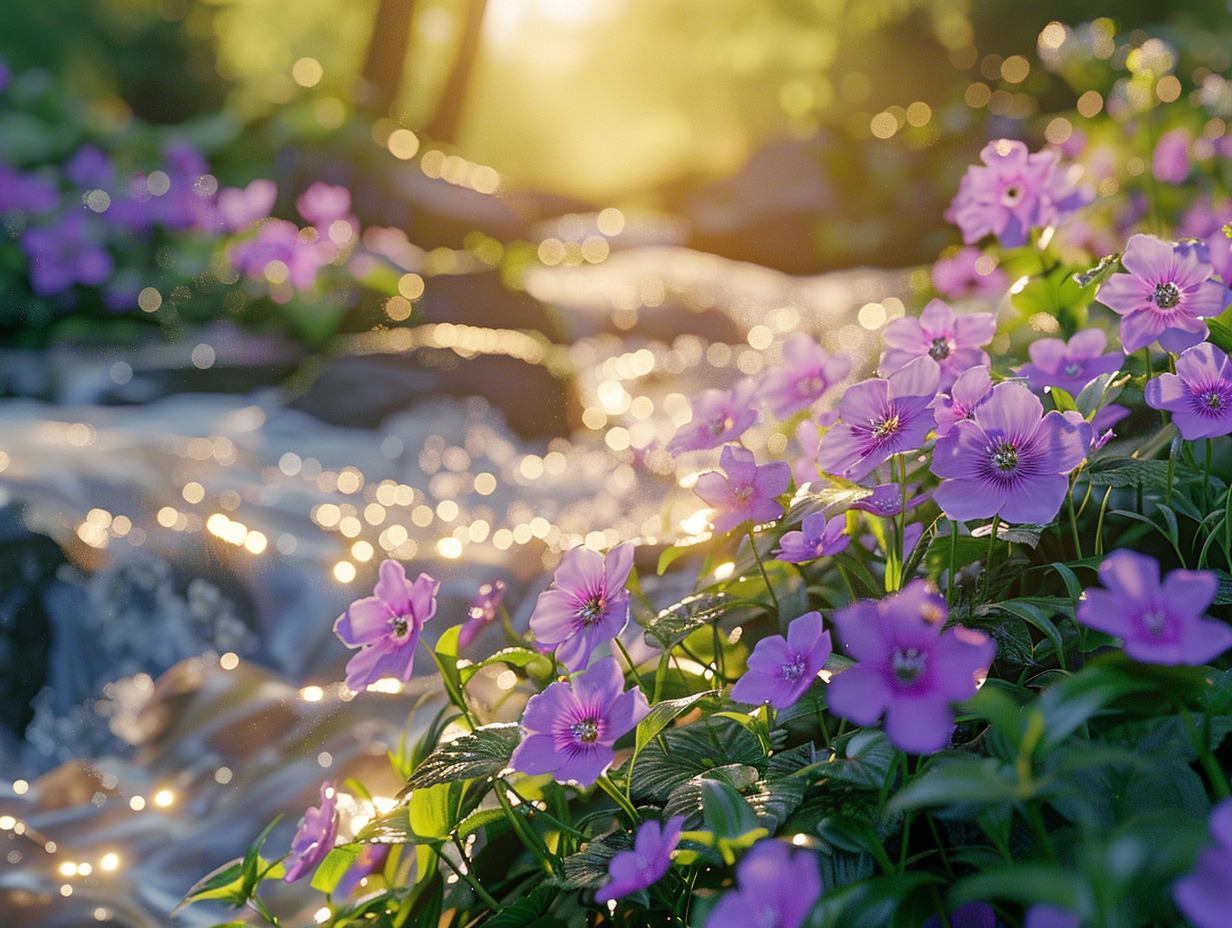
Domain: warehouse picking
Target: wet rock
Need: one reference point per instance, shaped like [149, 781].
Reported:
[28, 564]
[481, 299]
[362, 391]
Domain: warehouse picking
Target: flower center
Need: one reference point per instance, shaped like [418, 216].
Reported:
[795, 670]
[1166, 295]
[399, 625]
[908, 664]
[592, 610]
[1005, 457]
[1212, 400]
[742, 494]
[811, 385]
[719, 426]
[1073, 369]
[884, 427]
[1153, 621]
[1011, 196]
[585, 731]
[939, 349]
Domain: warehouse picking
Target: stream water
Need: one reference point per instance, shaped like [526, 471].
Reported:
[192, 687]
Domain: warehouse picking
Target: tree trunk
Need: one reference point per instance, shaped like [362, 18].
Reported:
[385, 61]
[448, 117]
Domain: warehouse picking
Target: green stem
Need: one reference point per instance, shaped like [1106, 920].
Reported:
[622, 800]
[951, 586]
[1099, 524]
[465, 874]
[629, 660]
[1198, 737]
[456, 696]
[1206, 482]
[762, 568]
[1073, 521]
[902, 521]
[992, 542]
[546, 816]
[529, 839]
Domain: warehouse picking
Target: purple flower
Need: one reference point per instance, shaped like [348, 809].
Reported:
[1203, 894]
[781, 669]
[570, 727]
[90, 168]
[589, 604]
[481, 612]
[808, 370]
[1158, 624]
[315, 837]
[322, 203]
[1045, 915]
[645, 865]
[241, 209]
[1012, 193]
[1199, 394]
[26, 193]
[954, 343]
[808, 435]
[968, 915]
[371, 859]
[386, 626]
[718, 416]
[816, 538]
[971, 388]
[281, 252]
[1070, 365]
[880, 418]
[1163, 297]
[969, 273]
[886, 500]
[1170, 160]
[1006, 460]
[774, 887]
[907, 667]
[64, 255]
[749, 491]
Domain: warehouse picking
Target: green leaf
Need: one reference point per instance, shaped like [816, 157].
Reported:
[335, 865]
[1070, 703]
[865, 759]
[1220, 333]
[673, 625]
[679, 754]
[660, 715]
[958, 782]
[1027, 883]
[526, 910]
[433, 811]
[1062, 400]
[995, 705]
[1097, 275]
[967, 550]
[588, 869]
[514, 657]
[483, 752]
[724, 810]
[1127, 472]
[1099, 392]
[224, 883]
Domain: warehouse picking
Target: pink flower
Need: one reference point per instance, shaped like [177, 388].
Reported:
[907, 668]
[1170, 160]
[481, 612]
[718, 416]
[808, 370]
[571, 727]
[386, 626]
[969, 273]
[781, 669]
[241, 209]
[954, 343]
[1199, 394]
[747, 493]
[315, 837]
[1008, 459]
[323, 203]
[816, 538]
[1070, 365]
[880, 418]
[1164, 296]
[645, 865]
[589, 604]
[1159, 624]
[968, 392]
[1012, 193]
